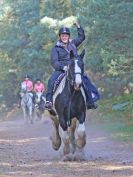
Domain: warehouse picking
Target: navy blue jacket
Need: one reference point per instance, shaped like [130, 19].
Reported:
[60, 56]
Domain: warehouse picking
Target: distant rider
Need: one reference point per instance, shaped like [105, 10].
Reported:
[39, 86]
[26, 85]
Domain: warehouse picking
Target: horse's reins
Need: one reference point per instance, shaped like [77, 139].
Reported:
[70, 99]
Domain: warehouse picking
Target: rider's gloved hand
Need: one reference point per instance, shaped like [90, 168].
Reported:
[65, 68]
[76, 24]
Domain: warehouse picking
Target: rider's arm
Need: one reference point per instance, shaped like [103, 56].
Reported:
[80, 38]
[43, 88]
[34, 89]
[31, 86]
[54, 60]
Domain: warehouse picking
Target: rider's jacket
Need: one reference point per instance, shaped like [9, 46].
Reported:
[28, 84]
[60, 56]
[39, 87]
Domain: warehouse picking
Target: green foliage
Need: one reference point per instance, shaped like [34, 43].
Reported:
[117, 116]
[109, 39]
[58, 9]
[25, 42]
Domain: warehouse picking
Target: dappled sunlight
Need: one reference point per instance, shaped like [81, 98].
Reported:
[121, 134]
[116, 167]
[77, 166]
[5, 164]
[35, 164]
[98, 140]
[29, 29]
[71, 168]
[19, 173]
[24, 141]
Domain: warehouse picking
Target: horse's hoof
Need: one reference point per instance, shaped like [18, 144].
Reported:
[68, 157]
[79, 157]
[56, 144]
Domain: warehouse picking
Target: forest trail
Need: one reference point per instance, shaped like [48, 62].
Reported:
[26, 151]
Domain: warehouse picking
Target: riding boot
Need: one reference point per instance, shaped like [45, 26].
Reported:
[89, 101]
[49, 94]
[90, 104]
[49, 103]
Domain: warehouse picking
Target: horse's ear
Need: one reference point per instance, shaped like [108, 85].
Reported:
[82, 54]
[71, 54]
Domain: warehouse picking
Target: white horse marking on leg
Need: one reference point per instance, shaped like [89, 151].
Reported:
[81, 127]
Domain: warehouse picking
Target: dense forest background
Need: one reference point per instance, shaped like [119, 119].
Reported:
[28, 29]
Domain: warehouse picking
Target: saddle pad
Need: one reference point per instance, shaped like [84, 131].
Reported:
[58, 81]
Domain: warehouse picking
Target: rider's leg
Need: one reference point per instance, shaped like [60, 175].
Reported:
[34, 94]
[87, 88]
[19, 100]
[49, 94]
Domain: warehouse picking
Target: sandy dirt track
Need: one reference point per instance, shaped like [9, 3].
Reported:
[26, 151]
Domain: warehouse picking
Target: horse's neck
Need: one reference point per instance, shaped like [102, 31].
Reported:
[38, 97]
[39, 94]
[69, 87]
[26, 96]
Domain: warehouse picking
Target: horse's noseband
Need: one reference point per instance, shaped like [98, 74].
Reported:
[73, 83]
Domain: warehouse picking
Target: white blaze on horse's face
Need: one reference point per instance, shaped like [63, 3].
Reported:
[38, 97]
[78, 79]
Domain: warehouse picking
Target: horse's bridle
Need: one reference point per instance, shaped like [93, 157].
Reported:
[28, 98]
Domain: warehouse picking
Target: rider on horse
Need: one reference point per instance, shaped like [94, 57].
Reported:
[26, 85]
[39, 86]
[60, 57]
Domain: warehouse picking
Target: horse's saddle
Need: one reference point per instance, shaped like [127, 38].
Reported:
[58, 81]
[22, 93]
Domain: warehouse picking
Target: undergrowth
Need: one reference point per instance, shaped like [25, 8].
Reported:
[117, 116]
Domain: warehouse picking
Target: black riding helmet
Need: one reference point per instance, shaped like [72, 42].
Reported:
[27, 76]
[38, 79]
[64, 30]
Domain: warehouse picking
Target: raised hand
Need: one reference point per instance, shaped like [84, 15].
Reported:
[76, 24]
